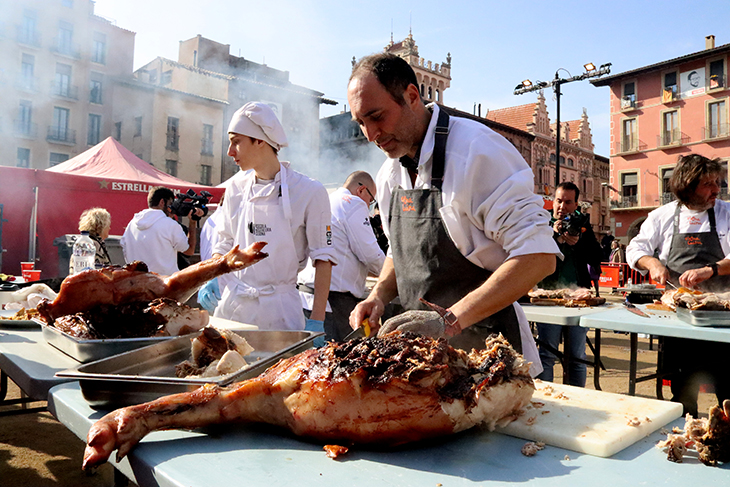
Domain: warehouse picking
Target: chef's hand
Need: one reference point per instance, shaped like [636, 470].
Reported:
[372, 309]
[693, 277]
[659, 273]
[428, 323]
[209, 295]
[315, 326]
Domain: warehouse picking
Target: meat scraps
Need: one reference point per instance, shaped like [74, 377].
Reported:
[389, 390]
[710, 437]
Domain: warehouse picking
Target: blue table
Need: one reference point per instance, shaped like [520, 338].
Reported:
[254, 455]
[660, 323]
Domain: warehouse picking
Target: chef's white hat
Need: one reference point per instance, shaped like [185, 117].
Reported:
[257, 120]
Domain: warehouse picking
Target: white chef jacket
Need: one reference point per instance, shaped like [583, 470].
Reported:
[656, 231]
[489, 208]
[308, 210]
[355, 246]
[155, 239]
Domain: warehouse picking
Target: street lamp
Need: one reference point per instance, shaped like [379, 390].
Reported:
[527, 86]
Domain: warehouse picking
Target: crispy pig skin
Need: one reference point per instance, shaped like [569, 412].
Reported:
[386, 390]
[133, 282]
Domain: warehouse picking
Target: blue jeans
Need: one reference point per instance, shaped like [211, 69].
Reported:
[574, 347]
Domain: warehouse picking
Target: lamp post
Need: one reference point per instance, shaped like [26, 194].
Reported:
[527, 86]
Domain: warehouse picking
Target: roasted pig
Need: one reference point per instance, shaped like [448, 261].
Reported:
[134, 283]
[387, 391]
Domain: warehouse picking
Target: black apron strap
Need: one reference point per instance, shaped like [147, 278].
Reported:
[439, 149]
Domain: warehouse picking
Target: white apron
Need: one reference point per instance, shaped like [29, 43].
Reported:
[265, 293]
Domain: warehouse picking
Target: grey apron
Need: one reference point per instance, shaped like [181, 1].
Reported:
[686, 357]
[427, 263]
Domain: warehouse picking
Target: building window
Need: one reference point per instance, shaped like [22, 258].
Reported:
[62, 81]
[629, 139]
[629, 189]
[56, 158]
[59, 130]
[670, 128]
[138, 126]
[173, 134]
[430, 93]
[64, 41]
[27, 73]
[628, 98]
[95, 91]
[118, 131]
[171, 167]
[438, 96]
[94, 134]
[153, 76]
[205, 173]
[207, 141]
[24, 124]
[166, 78]
[98, 49]
[716, 120]
[667, 194]
[717, 74]
[423, 90]
[671, 88]
[27, 33]
[570, 162]
[23, 159]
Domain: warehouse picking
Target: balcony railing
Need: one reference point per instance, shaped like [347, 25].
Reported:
[717, 131]
[61, 134]
[625, 202]
[27, 83]
[65, 90]
[630, 145]
[724, 194]
[667, 198]
[670, 94]
[671, 138]
[65, 49]
[716, 82]
[173, 142]
[206, 146]
[23, 128]
[28, 38]
[628, 102]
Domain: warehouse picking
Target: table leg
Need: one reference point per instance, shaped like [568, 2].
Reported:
[120, 480]
[597, 359]
[632, 363]
[3, 385]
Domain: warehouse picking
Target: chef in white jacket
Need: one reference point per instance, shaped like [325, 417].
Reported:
[274, 204]
[357, 250]
[466, 230]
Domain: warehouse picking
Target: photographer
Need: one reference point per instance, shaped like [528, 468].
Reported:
[573, 233]
[154, 237]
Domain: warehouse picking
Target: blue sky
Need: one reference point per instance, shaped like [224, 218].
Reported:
[494, 44]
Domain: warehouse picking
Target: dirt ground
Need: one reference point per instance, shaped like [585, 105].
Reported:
[36, 450]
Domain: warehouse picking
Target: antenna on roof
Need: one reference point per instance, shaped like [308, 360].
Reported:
[391, 30]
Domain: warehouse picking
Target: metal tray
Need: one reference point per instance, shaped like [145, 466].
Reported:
[7, 323]
[90, 350]
[148, 373]
[700, 317]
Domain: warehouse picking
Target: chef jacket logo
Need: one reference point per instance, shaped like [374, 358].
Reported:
[328, 234]
[407, 204]
[691, 240]
[258, 229]
[693, 220]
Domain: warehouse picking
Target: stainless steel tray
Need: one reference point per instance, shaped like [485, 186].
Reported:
[148, 373]
[700, 317]
[90, 350]
[5, 322]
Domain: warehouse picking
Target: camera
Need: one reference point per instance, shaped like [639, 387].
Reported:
[185, 202]
[574, 224]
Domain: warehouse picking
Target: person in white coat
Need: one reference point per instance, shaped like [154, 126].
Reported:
[357, 252]
[466, 230]
[155, 238]
[272, 203]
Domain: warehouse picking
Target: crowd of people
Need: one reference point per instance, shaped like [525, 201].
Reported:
[463, 235]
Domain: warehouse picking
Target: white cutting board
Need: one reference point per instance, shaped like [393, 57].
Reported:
[223, 323]
[590, 421]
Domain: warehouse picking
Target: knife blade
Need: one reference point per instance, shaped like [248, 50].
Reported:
[635, 310]
[362, 331]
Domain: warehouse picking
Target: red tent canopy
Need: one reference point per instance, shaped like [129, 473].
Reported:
[48, 203]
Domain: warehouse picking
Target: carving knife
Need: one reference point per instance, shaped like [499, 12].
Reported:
[363, 331]
[635, 310]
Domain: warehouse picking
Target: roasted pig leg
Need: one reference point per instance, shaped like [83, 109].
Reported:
[133, 282]
[389, 390]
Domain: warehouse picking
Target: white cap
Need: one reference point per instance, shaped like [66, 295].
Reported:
[257, 120]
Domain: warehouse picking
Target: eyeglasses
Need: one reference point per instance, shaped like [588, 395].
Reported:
[372, 198]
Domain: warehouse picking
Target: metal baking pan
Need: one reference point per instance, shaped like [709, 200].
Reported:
[148, 373]
[89, 350]
[699, 317]
[6, 322]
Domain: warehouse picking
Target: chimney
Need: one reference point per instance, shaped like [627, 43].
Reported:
[710, 42]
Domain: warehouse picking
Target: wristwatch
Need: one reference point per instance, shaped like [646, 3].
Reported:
[714, 268]
[451, 324]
